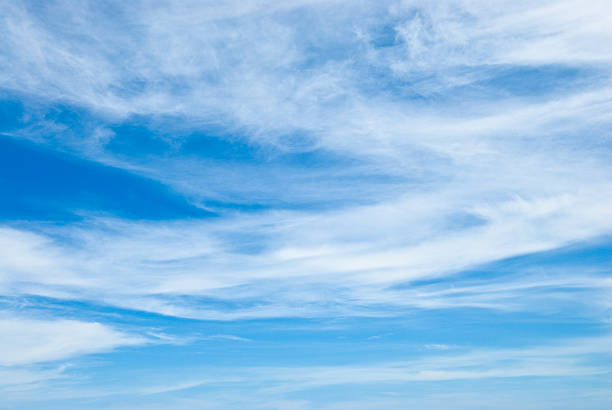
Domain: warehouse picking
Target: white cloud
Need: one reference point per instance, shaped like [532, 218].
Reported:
[176, 268]
[27, 341]
[27, 378]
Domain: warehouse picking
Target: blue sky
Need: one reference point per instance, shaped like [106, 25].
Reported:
[305, 204]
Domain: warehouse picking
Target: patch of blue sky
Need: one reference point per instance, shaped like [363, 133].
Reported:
[41, 184]
[10, 113]
[594, 256]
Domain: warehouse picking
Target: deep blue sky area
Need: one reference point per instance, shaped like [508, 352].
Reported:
[43, 184]
[305, 205]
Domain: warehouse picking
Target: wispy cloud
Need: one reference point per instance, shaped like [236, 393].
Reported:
[569, 358]
[158, 265]
[26, 341]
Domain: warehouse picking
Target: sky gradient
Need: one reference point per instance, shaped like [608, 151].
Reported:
[306, 204]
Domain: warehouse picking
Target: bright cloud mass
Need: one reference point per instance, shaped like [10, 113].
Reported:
[306, 204]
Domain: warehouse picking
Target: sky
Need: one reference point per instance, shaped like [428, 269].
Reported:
[306, 204]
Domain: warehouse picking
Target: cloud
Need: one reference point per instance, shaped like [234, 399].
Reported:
[305, 264]
[227, 337]
[262, 69]
[27, 341]
[565, 358]
[24, 378]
